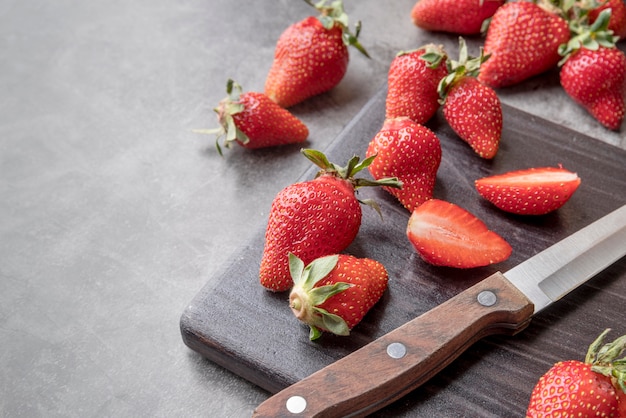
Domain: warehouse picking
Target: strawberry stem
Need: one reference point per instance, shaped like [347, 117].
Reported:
[603, 358]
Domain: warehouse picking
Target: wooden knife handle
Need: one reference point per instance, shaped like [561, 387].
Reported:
[405, 358]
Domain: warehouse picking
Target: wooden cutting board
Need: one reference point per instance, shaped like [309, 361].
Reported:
[236, 323]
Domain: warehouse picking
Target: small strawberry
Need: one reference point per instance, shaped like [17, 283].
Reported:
[471, 108]
[533, 191]
[462, 17]
[311, 56]
[254, 121]
[523, 40]
[412, 83]
[593, 388]
[445, 234]
[617, 23]
[593, 72]
[334, 293]
[314, 218]
[412, 153]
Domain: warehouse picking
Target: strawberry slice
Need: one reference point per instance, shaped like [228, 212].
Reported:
[533, 191]
[445, 234]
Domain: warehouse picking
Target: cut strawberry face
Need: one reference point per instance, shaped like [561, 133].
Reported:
[534, 191]
[445, 234]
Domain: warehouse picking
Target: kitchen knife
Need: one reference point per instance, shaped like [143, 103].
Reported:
[405, 358]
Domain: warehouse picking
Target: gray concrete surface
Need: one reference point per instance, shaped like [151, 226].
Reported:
[113, 215]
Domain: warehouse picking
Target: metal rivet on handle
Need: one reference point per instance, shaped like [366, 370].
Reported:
[296, 404]
[396, 350]
[487, 298]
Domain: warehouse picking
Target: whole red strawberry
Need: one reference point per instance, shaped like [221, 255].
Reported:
[593, 388]
[314, 218]
[444, 234]
[412, 83]
[617, 22]
[254, 121]
[471, 108]
[334, 293]
[594, 73]
[412, 153]
[463, 17]
[533, 191]
[523, 40]
[311, 56]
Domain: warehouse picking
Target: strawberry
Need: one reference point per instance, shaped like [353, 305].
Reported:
[412, 83]
[311, 56]
[463, 17]
[523, 40]
[445, 234]
[334, 293]
[617, 22]
[314, 218]
[252, 120]
[412, 153]
[471, 108]
[593, 388]
[593, 73]
[533, 191]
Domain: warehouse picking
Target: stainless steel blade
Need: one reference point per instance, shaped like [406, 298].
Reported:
[559, 269]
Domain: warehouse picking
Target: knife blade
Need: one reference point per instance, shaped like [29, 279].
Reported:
[405, 358]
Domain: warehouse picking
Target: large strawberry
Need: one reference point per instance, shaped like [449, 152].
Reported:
[523, 40]
[594, 73]
[445, 234]
[412, 83]
[252, 120]
[533, 191]
[593, 388]
[311, 56]
[471, 108]
[463, 17]
[412, 153]
[617, 22]
[333, 293]
[314, 218]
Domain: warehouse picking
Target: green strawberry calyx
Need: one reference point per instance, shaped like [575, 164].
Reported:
[348, 172]
[589, 36]
[227, 107]
[465, 66]
[604, 359]
[305, 298]
[334, 14]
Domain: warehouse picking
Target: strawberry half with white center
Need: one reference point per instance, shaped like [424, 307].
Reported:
[593, 388]
[311, 56]
[334, 293]
[533, 191]
[412, 82]
[252, 120]
[412, 153]
[445, 234]
[314, 218]
[471, 108]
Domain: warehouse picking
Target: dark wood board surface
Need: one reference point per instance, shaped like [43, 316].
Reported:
[234, 322]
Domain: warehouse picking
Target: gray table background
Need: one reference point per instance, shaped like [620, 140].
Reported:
[113, 215]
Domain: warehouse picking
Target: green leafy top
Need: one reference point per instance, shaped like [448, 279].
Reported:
[466, 66]
[590, 36]
[604, 359]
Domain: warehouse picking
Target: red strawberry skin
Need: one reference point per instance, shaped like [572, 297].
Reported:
[617, 23]
[523, 41]
[462, 17]
[267, 124]
[412, 85]
[412, 153]
[445, 234]
[534, 191]
[309, 219]
[308, 60]
[572, 389]
[473, 110]
[597, 81]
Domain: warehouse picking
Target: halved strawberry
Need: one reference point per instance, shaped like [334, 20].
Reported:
[533, 191]
[445, 234]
